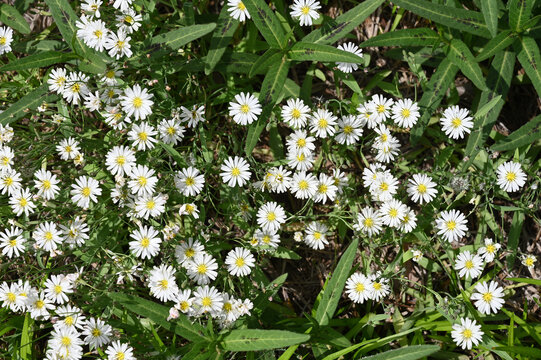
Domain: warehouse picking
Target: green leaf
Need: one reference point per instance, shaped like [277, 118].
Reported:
[527, 134]
[273, 82]
[520, 11]
[221, 37]
[25, 351]
[405, 37]
[158, 313]
[436, 88]
[65, 18]
[498, 82]
[92, 63]
[490, 13]
[12, 18]
[536, 282]
[174, 154]
[496, 44]
[406, 353]
[176, 38]
[334, 30]
[303, 51]
[333, 291]
[529, 352]
[255, 130]
[264, 62]
[283, 253]
[342, 352]
[267, 23]
[469, 21]
[514, 237]
[255, 339]
[530, 59]
[30, 101]
[461, 56]
[39, 60]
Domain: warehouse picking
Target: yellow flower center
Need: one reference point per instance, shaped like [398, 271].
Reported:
[467, 333]
[393, 213]
[305, 10]
[383, 137]
[69, 321]
[96, 332]
[58, 289]
[48, 235]
[145, 242]
[206, 301]
[239, 262]
[110, 74]
[227, 307]
[39, 304]
[202, 269]
[491, 249]
[8, 181]
[266, 239]
[317, 235]
[359, 287]
[12, 297]
[13, 243]
[120, 355]
[143, 136]
[468, 265]
[303, 184]
[98, 34]
[5, 160]
[451, 225]
[66, 341]
[384, 186]
[142, 180]
[86, 191]
[189, 208]
[511, 176]
[23, 202]
[322, 123]
[3, 40]
[380, 108]
[405, 113]
[421, 188]
[189, 253]
[190, 181]
[46, 184]
[295, 113]
[121, 160]
[300, 157]
[322, 189]
[376, 285]
[301, 143]
[244, 108]
[120, 44]
[128, 19]
[456, 122]
[487, 296]
[171, 130]
[150, 204]
[76, 88]
[368, 222]
[348, 129]
[271, 216]
[164, 284]
[241, 6]
[184, 305]
[529, 262]
[137, 102]
[235, 171]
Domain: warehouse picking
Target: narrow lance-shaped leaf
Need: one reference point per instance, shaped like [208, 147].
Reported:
[530, 59]
[406, 353]
[267, 23]
[496, 44]
[273, 82]
[336, 30]
[462, 57]
[302, 51]
[490, 13]
[469, 21]
[30, 101]
[436, 88]
[256, 339]
[333, 291]
[498, 83]
[158, 313]
[221, 37]
[405, 37]
[264, 62]
[176, 38]
[520, 11]
[527, 134]
[45, 58]
[12, 18]
[65, 19]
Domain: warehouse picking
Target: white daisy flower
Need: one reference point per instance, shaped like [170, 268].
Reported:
[189, 181]
[162, 283]
[266, 238]
[184, 301]
[322, 123]
[368, 221]
[488, 252]
[340, 180]
[57, 80]
[65, 343]
[72, 316]
[136, 102]
[146, 242]
[316, 235]
[421, 188]
[142, 180]
[488, 297]
[97, 333]
[92, 7]
[358, 288]
[304, 185]
[84, 191]
[235, 171]
[384, 186]
[305, 10]
[193, 116]
[456, 121]
[393, 212]
[6, 158]
[370, 174]
[129, 21]
[380, 287]
[510, 176]
[39, 305]
[118, 350]
[68, 148]
[6, 37]
[239, 262]
[142, 136]
[10, 181]
[380, 107]
[93, 101]
[405, 113]
[409, 222]
[12, 242]
[57, 287]
[354, 49]
[278, 179]
[189, 209]
[47, 236]
[96, 35]
[150, 205]
[301, 161]
[76, 233]
[208, 300]
[295, 112]
[367, 116]
[8, 296]
[300, 142]
[75, 87]
[387, 151]
[46, 184]
[452, 225]
[171, 132]
[349, 130]
[202, 269]
[120, 160]
[467, 333]
[529, 261]
[246, 109]
[118, 44]
[271, 216]
[186, 251]
[237, 10]
[21, 201]
[470, 266]
[325, 189]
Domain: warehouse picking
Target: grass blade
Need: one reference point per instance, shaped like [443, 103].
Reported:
[431, 99]
[30, 101]
[469, 21]
[333, 291]
[158, 313]
[267, 23]
[405, 37]
[337, 29]
[255, 339]
[221, 37]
